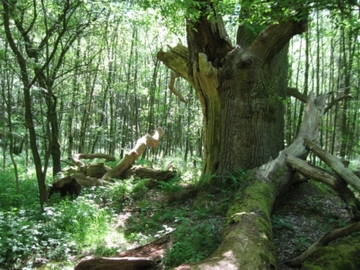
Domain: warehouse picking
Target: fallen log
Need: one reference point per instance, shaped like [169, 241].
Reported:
[128, 160]
[114, 263]
[145, 256]
[145, 172]
[98, 174]
[76, 158]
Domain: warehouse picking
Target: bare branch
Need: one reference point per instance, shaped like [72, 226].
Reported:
[334, 101]
[294, 92]
[172, 87]
[335, 164]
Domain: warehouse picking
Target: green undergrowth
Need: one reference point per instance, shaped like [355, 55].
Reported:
[104, 221]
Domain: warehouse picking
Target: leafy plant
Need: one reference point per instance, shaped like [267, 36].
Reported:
[193, 241]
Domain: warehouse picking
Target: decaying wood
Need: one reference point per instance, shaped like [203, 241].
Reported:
[323, 241]
[77, 158]
[329, 179]
[128, 160]
[94, 170]
[98, 174]
[145, 172]
[114, 263]
[87, 181]
[336, 164]
[143, 257]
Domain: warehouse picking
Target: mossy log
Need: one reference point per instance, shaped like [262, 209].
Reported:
[145, 172]
[323, 241]
[143, 257]
[115, 263]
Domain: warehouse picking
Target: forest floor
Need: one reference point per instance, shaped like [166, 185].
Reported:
[307, 212]
[303, 215]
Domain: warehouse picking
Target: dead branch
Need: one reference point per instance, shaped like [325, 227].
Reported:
[336, 164]
[336, 100]
[323, 241]
[294, 92]
[128, 160]
[331, 180]
[76, 158]
[172, 87]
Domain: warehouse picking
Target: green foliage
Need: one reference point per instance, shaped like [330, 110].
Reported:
[64, 229]
[193, 241]
[280, 223]
[139, 189]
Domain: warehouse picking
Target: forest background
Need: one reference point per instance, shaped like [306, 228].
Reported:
[85, 78]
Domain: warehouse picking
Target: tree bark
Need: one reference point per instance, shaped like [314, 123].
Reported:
[240, 90]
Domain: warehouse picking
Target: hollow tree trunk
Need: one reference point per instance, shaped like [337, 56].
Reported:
[241, 90]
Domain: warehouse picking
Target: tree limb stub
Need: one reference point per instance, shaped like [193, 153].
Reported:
[76, 158]
[323, 241]
[128, 160]
[176, 59]
[335, 164]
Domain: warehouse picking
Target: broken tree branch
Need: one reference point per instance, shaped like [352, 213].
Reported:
[329, 179]
[128, 160]
[335, 164]
[336, 100]
[76, 158]
[172, 87]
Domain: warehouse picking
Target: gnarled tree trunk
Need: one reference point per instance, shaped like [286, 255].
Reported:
[241, 89]
[247, 236]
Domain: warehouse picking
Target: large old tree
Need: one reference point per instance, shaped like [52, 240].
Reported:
[241, 87]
